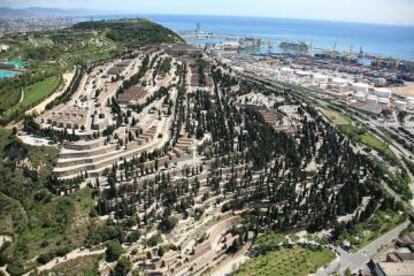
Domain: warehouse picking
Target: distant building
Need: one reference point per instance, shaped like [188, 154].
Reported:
[4, 48]
[394, 269]
[183, 50]
[250, 42]
[406, 257]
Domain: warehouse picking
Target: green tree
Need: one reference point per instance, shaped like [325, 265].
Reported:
[123, 266]
[114, 250]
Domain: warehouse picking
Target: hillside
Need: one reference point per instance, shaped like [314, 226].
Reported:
[48, 54]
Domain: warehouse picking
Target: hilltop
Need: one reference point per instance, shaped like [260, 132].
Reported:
[51, 53]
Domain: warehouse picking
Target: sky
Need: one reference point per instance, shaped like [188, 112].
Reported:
[400, 12]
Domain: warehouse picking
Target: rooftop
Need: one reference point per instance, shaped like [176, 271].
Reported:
[397, 269]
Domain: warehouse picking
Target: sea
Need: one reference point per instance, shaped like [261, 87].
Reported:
[380, 40]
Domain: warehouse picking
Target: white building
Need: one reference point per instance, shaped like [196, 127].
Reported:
[319, 78]
[410, 103]
[400, 105]
[339, 84]
[383, 93]
[4, 47]
[360, 87]
[286, 71]
[302, 74]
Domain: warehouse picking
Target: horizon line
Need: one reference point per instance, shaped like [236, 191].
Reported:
[136, 13]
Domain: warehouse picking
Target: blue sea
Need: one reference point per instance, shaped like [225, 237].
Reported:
[382, 40]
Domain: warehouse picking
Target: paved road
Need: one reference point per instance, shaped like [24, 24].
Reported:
[357, 260]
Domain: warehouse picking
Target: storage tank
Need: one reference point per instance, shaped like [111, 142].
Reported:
[361, 97]
[319, 78]
[339, 84]
[383, 92]
[400, 105]
[286, 71]
[302, 73]
[339, 81]
[360, 87]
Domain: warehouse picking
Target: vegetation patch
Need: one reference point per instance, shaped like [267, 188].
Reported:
[335, 117]
[361, 135]
[12, 215]
[363, 233]
[287, 261]
[86, 265]
[133, 33]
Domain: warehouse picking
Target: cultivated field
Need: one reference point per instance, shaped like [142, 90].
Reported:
[295, 261]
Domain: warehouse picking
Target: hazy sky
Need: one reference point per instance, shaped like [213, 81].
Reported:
[372, 11]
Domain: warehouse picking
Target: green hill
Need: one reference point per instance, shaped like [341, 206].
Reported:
[132, 32]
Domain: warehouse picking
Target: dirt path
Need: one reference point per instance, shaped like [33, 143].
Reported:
[21, 96]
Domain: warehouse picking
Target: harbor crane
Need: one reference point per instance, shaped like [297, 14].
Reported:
[350, 52]
[334, 52]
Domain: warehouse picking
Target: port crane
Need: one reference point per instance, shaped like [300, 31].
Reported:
[334, 52]
[269, 47]
[350, 52]
[361, 52]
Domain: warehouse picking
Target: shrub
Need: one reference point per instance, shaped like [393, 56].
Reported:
[123, 266]
[45, 258]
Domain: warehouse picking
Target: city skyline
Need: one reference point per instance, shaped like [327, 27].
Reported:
[396, 12]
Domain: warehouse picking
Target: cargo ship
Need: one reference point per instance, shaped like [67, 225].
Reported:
[302, 47]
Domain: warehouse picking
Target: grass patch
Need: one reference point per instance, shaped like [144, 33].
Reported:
[38, 91]
[287, 261]
[335, 117]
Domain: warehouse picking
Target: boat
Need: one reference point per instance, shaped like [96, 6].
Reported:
[295, 46]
